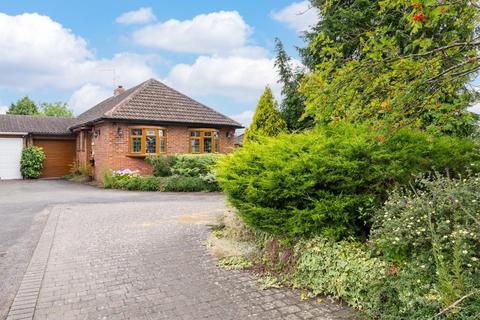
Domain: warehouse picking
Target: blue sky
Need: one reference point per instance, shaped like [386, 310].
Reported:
[218, 52]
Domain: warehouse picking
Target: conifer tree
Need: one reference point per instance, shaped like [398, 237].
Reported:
[292, 106]
[267, 120]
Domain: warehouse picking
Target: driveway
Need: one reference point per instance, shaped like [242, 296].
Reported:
[71, 251]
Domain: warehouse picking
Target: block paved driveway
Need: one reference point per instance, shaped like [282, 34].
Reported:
[99, 254]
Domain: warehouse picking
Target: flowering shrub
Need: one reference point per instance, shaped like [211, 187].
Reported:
[435, 228]
[125, 173]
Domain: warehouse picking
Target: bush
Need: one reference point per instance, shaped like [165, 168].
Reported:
[188, 184]
[434, 229]
[194, 165]
[131, 180]
[162, 165]
[31, 163]
[142, 184]
[330, 181]
[184, 168]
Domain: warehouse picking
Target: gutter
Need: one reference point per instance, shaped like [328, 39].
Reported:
[8, 133]
[160, 122]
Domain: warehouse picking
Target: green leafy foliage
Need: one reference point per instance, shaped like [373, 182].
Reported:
[269, 281]
[162, 165]
[24, 106]
[194, 165]
[329, 181]
[344, 270]
[107, 179]
[394, 64]
[188, 172]
[189, 184]
[57, 109]
[131, 180]
[292, 106]
[134, 183]
[31, 162]
[267, 120]
[234, 263]
[346, 21]
[436, 227]
[144, 184]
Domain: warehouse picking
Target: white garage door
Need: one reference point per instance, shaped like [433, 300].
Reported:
[10, 154]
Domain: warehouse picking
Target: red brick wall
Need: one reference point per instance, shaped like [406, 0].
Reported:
[100, 149]
[110, 150]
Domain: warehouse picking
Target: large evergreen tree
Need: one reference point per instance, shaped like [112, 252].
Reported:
[410, 65]
[266, 120]
[292, 106]
[24, 106]
[343, 23]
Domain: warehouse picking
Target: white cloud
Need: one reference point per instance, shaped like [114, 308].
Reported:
[238, 77]
[88, 96]
[37, 52]
[205, 34]
[475, 108]
[300, 16]
[3, 109]
[245, 118]
[140, 16]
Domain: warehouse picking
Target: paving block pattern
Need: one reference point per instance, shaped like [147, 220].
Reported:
[148, 261]
[23, 306]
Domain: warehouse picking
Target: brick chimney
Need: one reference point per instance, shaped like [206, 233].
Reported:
[118, 90]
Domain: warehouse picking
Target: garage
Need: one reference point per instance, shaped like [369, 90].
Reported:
[50, 133]
[11, 152]
[59, 156]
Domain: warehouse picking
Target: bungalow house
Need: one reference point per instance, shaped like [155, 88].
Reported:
[119, 132]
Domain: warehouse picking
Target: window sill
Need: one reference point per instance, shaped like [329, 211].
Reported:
[143, 155]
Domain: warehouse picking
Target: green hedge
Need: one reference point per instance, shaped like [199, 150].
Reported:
[165, 184]
[183, 165]
[180, 173]
[189, 184]
[330, 181]
[187, 172]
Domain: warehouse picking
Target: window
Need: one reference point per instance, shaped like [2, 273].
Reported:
[203, 141]
[147, 140]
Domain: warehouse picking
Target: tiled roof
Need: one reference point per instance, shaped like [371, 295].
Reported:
[35, 124]
[239, 139]
[154, 101]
